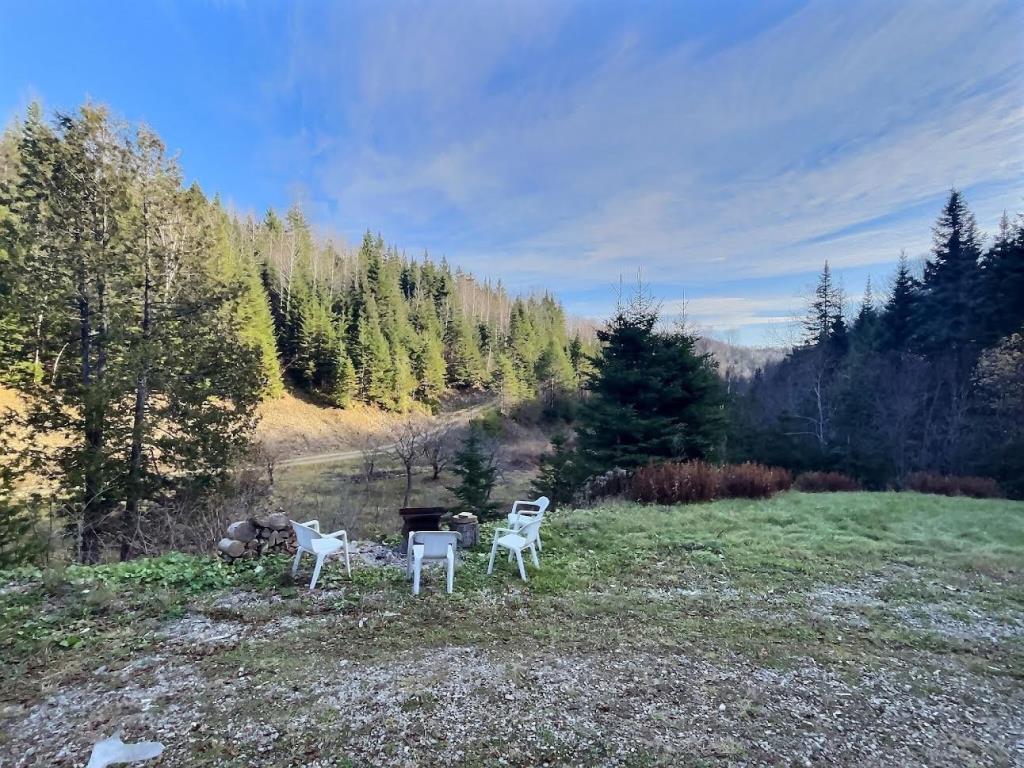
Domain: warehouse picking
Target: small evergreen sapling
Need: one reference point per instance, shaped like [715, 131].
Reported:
[475, 466]
[560, 472]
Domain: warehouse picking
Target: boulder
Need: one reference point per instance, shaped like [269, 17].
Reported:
[231, 547]
[243, 531]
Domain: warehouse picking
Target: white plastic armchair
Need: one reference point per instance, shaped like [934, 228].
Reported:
[320, 545]
[515, 541]
[431, 546]
[519, 517]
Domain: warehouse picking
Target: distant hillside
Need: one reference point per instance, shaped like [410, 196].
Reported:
[737, 362]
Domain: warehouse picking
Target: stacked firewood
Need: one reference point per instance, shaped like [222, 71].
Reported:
[257, 536]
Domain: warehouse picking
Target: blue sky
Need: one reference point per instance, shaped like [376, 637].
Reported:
[724, 148]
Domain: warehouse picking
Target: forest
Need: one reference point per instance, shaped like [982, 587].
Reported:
[927, 377]
[143, 323]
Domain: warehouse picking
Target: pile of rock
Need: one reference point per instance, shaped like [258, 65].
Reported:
[258, 536]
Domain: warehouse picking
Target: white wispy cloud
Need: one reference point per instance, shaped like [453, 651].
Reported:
[487, 131]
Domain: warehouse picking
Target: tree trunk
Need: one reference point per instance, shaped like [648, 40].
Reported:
[134, 489]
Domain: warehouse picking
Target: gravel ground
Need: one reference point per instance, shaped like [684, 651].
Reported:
[524, 704]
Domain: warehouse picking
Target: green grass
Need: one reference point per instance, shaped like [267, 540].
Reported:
[730, 577]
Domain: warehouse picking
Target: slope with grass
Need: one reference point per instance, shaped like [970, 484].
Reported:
[807, 629]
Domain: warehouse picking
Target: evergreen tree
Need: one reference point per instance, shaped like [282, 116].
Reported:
[1003, 282]
[820, 320]
[474, 464]
[898, 317]
[560, 475]
[651, 396]
[114, 261]
[373, 363]
[465, 365]
[948, 313]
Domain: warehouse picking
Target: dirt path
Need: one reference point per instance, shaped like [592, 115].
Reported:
[455, 418]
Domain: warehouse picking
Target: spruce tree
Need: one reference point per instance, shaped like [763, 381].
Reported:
[373, 357]
[474, 464]
[898, 317]
[1003, 282]
[948, 317]
[652, 396]
[559, 475]
[820, 320]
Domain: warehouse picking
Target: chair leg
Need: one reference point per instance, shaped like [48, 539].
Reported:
[316, 571]
[295, 565]
[522, 568]
[533, 553]
[451, 570]
[417, 567]
[494, 551]
[348, 563]
[540, 546]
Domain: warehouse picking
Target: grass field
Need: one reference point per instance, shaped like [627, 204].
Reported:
[829, 629]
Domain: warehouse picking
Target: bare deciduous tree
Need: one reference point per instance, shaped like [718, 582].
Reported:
[407, 446]
[438, 447]
[370, 449]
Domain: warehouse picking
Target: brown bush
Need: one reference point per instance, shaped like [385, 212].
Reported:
[752, 481]
[693, 481]
[953, 485]
[825, 482]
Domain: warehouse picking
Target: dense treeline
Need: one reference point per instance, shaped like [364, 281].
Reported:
[380, 328]
[142, 324]
[930, 379]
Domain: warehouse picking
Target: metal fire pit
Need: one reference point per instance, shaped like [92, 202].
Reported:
[420, 519]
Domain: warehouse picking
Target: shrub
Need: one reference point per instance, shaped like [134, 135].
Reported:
[694, 481]
[825, 482]
[953, 485]
[752, 481]
[614, 482]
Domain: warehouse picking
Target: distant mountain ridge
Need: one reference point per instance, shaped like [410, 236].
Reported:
[740, 362]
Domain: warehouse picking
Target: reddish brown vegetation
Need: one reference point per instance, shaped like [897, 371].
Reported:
[694, 481]
[825, 482]
[952, 485]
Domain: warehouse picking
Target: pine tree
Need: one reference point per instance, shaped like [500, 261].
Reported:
[477, 471]
[559, 475]
[374, 367]
[820, 320]
[651, 396]
[465, 365]
[1003, 282]
[948, 317]
[898, 317]
[115, 261]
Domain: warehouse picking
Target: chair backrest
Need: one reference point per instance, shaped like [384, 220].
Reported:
[530, 531]
[541, 505]
[435, 543]
[304, 535]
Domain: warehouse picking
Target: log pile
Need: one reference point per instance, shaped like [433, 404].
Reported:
[257, 536]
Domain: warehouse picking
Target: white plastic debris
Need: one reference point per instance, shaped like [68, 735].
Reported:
[113, 750]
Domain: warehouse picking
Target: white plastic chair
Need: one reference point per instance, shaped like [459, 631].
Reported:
[320, 545]
[515, 541]
[517, 518]
[431, 546]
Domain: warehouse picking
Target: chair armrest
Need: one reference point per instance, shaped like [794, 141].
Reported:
[336, 535]
[505, 530]
[314, 524]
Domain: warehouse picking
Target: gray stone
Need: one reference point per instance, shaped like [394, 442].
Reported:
[243, 531]
[231, 547]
